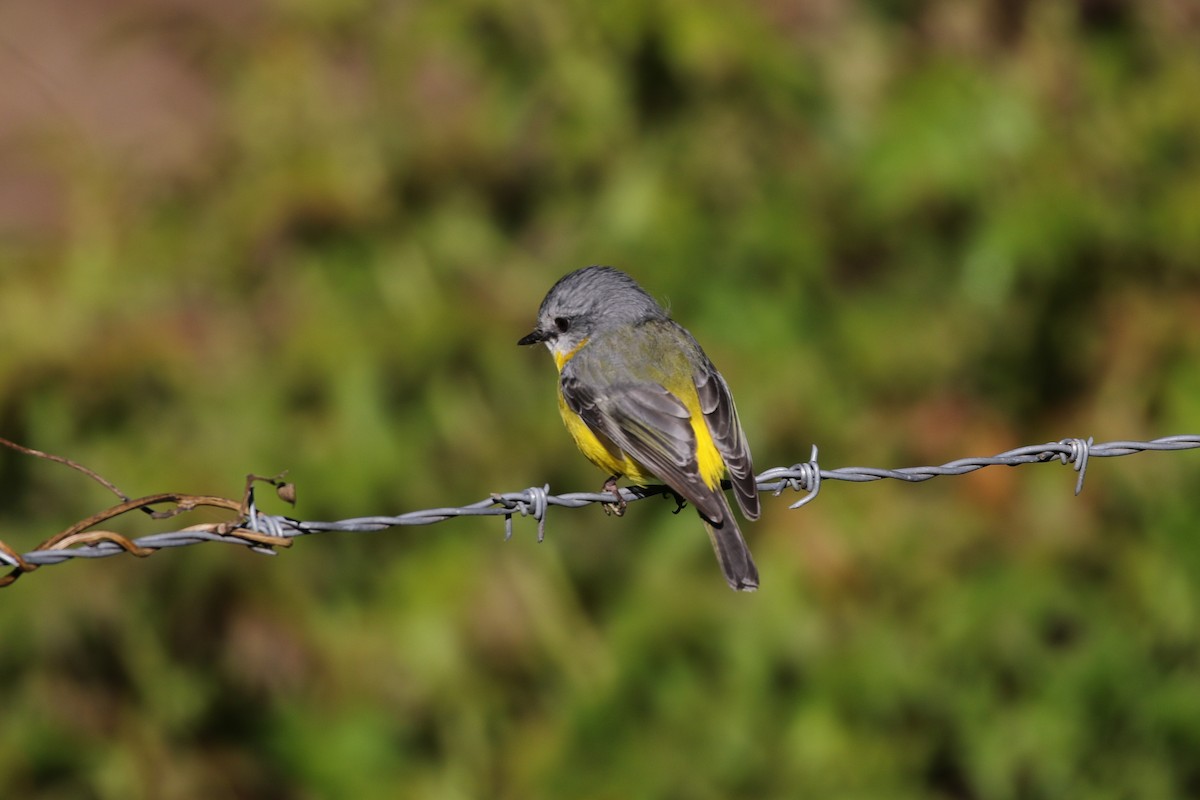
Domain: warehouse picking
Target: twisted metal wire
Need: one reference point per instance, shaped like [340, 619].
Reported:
[535, 501]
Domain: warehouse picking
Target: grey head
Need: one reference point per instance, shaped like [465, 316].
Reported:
[589, 301]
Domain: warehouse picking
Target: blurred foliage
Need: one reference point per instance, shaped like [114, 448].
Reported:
[306, 234]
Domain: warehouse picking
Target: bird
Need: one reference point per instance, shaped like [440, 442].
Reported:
[642, 401]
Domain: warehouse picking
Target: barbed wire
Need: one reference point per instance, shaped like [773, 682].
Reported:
[262, 533]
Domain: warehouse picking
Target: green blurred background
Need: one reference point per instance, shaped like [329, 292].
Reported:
[306, 234]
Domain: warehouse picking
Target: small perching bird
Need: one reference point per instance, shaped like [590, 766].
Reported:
[643, 401]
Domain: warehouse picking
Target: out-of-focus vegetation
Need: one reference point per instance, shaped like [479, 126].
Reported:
[306, 235]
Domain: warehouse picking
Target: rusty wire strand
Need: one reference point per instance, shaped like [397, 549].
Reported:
[263, 532]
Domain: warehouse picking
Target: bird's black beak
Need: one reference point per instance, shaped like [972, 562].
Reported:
[534, 337]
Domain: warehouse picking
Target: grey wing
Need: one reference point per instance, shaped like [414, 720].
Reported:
[719, 411]
[651, 426]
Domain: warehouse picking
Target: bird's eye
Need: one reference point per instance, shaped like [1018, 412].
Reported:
[562, 323]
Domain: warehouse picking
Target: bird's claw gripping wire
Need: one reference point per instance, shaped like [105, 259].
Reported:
[1078, 457]
[530, 503]
[617, 507]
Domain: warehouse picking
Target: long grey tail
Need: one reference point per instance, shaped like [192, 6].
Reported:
[732, 552]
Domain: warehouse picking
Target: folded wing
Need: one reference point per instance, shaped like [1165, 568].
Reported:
[651, 426]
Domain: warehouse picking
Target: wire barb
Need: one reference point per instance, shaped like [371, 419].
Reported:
[805, 477]
[530, 503]
[263, 533]
[1078, 457]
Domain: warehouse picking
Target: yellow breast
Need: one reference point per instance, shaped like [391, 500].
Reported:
[601, 452]
[613, 461]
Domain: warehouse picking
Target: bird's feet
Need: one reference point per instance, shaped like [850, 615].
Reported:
[616, 508]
